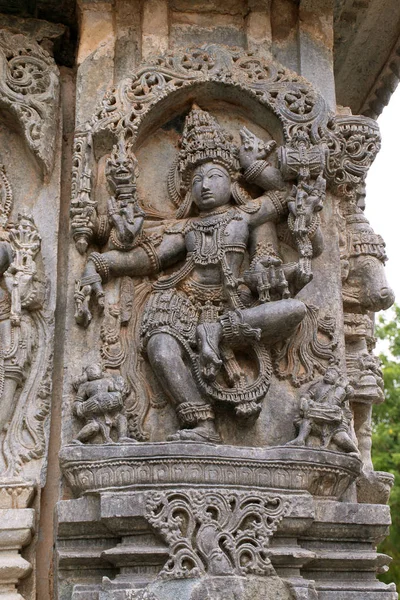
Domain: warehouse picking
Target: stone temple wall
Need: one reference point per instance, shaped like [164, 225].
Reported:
[188, 288]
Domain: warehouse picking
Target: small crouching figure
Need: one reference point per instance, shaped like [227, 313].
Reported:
[325, 414]
[100, 404]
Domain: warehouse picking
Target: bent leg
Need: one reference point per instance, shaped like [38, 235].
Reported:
[276, 320]
[302, 436]
[121, 423]
[166, 358]
[88, 431]
[344, 442]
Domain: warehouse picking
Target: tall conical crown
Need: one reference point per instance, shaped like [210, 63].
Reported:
[362, 239]
[204, 140]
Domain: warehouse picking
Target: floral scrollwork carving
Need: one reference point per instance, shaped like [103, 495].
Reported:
[29, 90]
[216, 533]
[353, 143]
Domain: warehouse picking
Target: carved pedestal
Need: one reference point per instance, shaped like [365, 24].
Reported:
[16, 528]
[197, 521]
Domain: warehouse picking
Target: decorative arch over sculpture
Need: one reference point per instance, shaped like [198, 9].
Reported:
[29, 93]
[342, 147]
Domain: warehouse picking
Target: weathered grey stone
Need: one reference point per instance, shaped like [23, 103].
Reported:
[237, 330]
[214, 353]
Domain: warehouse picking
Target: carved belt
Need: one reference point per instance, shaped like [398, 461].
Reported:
[200, 292]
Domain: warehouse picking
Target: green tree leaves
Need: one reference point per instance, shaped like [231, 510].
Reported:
[386, 433]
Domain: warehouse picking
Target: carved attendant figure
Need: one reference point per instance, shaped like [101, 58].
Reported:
[197, 318]
[100, 403]
[325, 413]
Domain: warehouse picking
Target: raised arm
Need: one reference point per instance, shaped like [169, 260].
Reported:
[257, 169]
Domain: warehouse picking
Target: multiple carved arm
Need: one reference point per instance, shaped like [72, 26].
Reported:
[130, 252]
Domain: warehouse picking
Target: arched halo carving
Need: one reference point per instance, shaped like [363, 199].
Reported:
[315, 139]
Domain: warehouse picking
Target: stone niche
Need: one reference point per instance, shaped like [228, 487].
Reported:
[216, 427]
[182, 227]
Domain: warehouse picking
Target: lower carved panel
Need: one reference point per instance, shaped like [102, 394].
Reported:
[99, 468]
[217, 533]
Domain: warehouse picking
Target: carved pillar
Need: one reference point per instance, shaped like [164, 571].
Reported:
[29, 212]
[214, 427]
[16, 526]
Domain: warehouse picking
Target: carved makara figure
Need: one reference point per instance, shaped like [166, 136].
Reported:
[325, 413]
[202, 315]
[100, 404]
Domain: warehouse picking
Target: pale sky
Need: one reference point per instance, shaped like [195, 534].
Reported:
[383, 190]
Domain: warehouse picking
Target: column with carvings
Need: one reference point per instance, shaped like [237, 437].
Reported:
[29, 212]
[219, 370]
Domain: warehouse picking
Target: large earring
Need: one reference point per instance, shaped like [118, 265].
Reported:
[184, 209]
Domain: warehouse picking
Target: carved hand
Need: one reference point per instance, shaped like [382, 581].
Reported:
[90, 407]
[252, 148]
[127, 223]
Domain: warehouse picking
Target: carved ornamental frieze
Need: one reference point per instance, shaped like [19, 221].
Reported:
[29, 90]
[219, 533]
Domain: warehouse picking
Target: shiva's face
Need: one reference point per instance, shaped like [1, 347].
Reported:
[211, 186]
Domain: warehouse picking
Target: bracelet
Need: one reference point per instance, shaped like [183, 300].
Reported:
[252, 172]
[102, 229]
[234, 328]
[311, 229]
[148, 247]
[101, 265]
[279, 203]
[124, 247]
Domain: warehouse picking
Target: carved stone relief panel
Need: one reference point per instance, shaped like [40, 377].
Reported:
[213, 215]
[280, 250]
[29, 214]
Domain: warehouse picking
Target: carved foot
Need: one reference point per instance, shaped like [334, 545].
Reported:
[296, 442]
[209, 337]
[201, 433]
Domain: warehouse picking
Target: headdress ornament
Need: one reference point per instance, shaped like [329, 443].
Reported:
[362, 239]
[204, 140]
